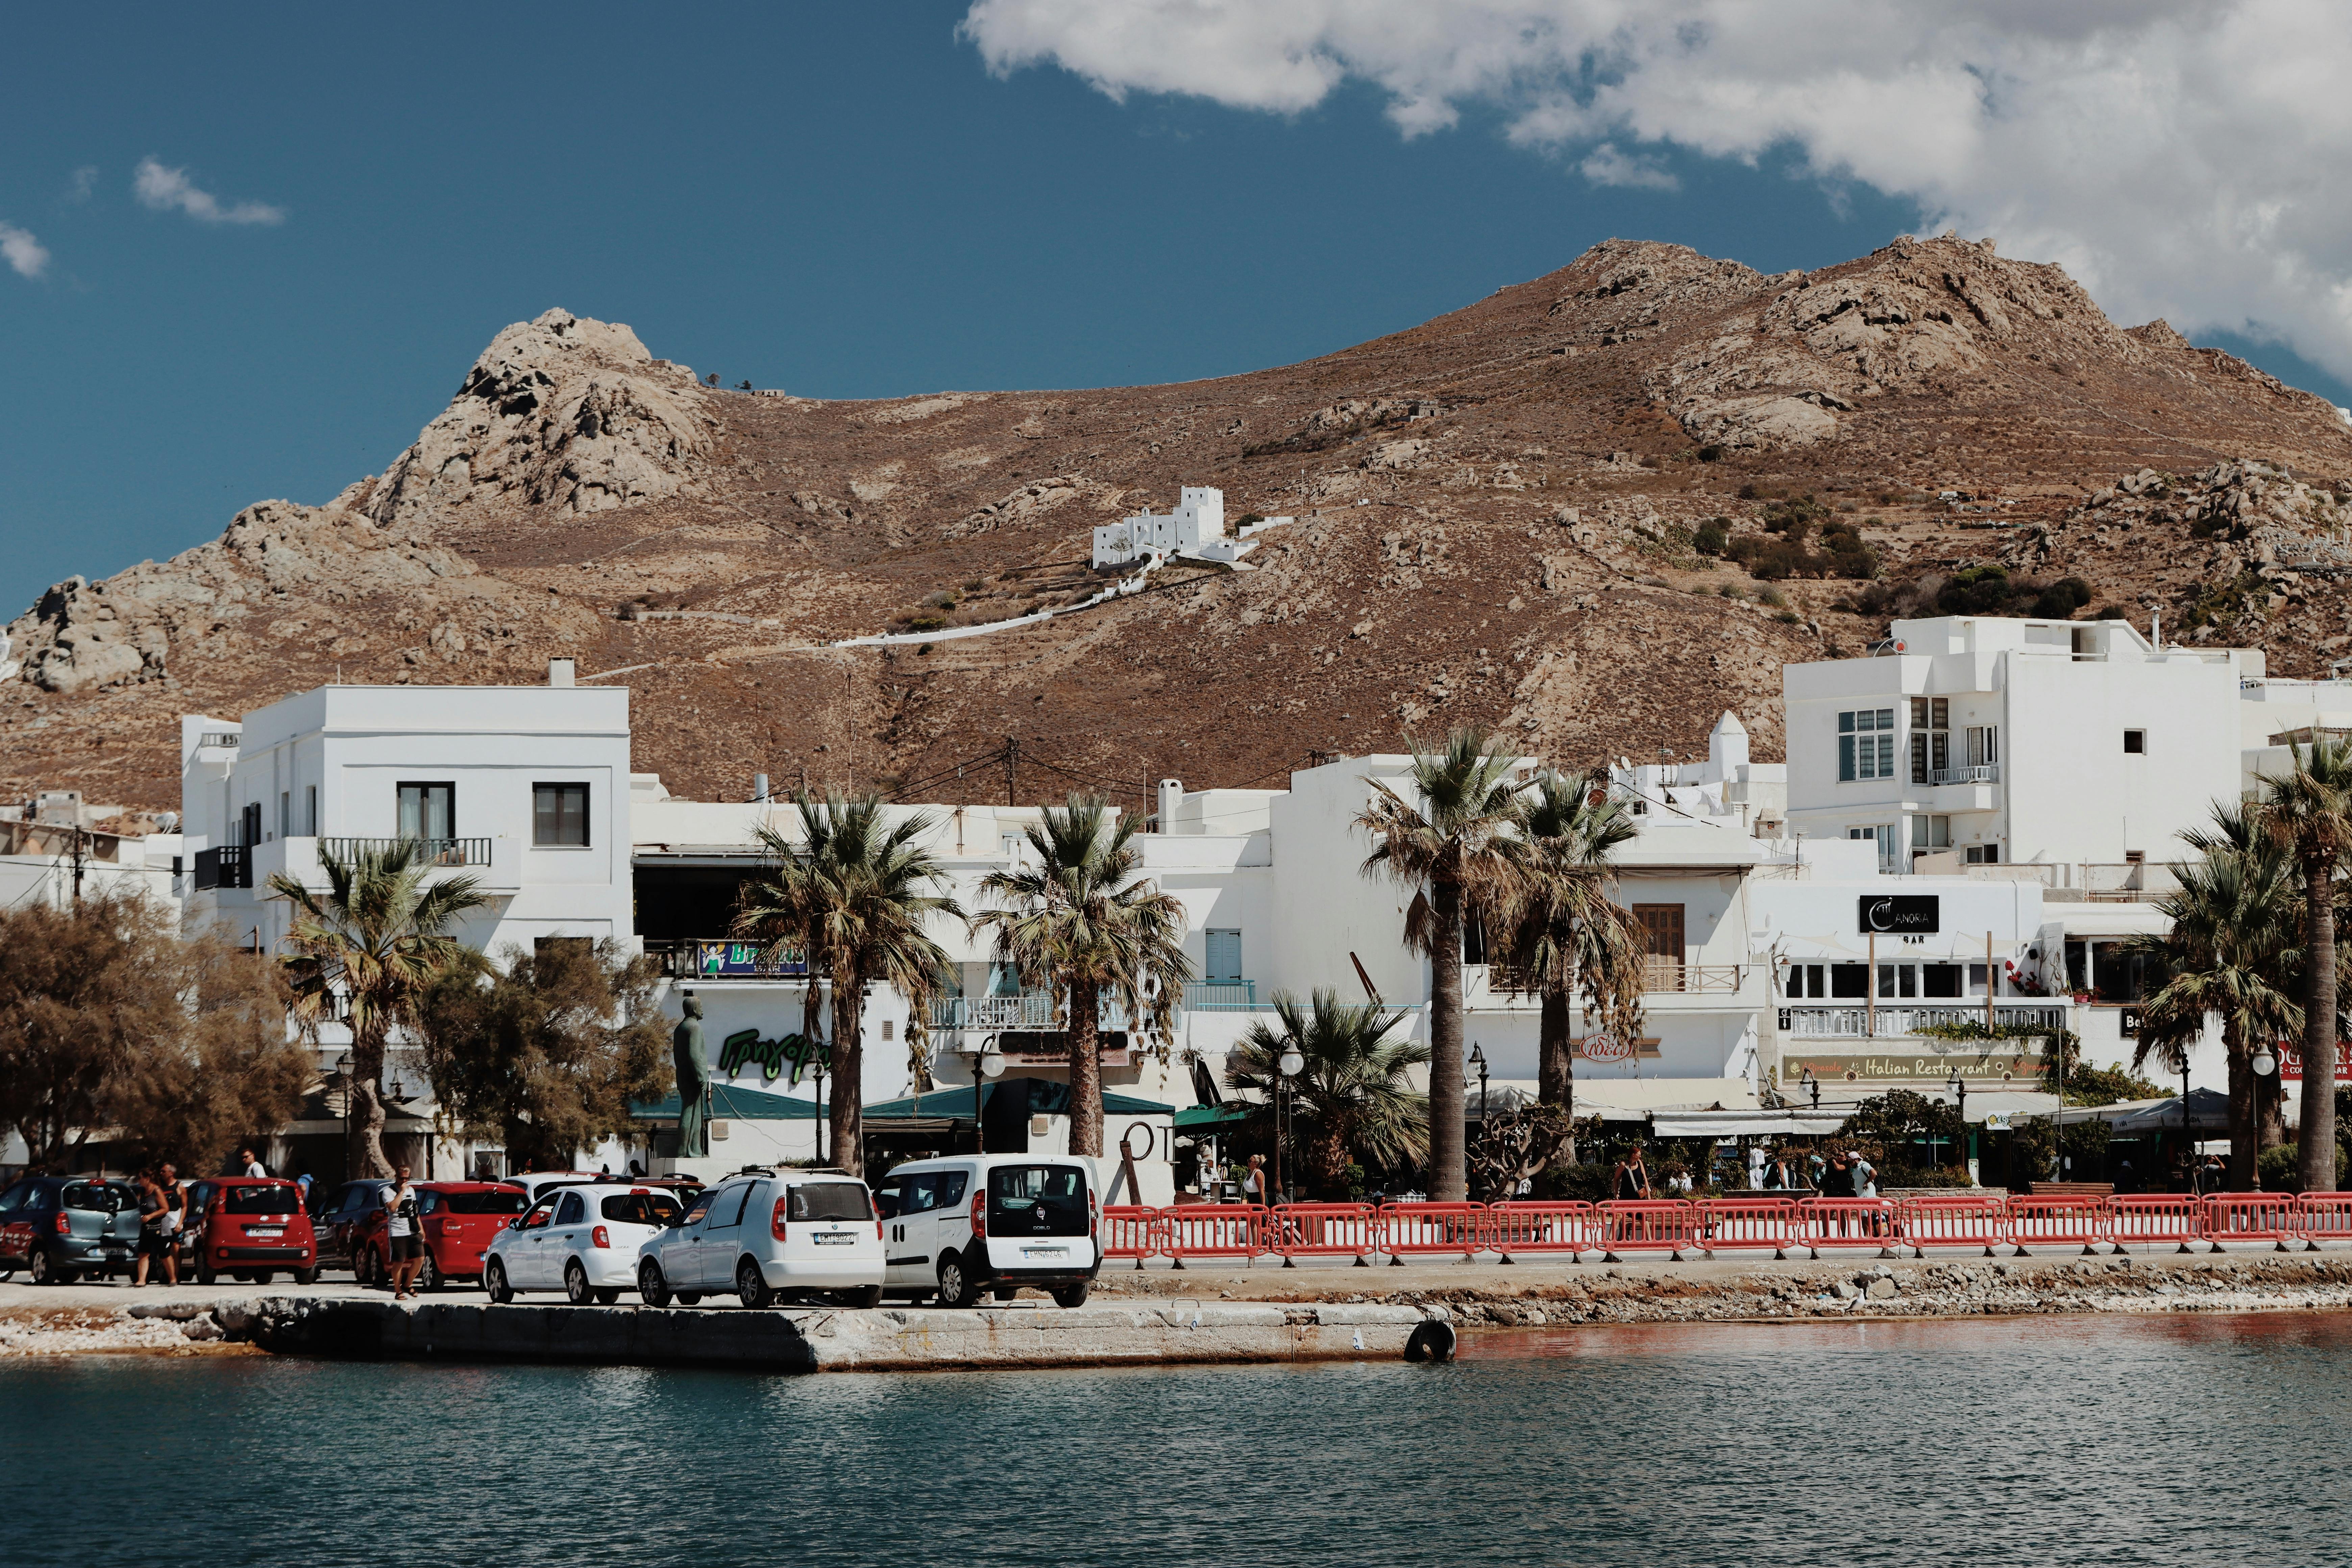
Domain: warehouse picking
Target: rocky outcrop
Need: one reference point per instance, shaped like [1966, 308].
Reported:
[559, 411]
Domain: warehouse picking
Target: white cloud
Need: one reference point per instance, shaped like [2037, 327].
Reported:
[85, 181]
[2184, 160]
[21, 251]
[167, 190]
[1606, 165]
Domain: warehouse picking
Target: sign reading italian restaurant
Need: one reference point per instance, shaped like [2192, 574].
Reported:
[1904, 914]
[1926, 1071]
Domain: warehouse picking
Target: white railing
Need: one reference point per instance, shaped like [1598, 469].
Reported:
[1982, 772]
[1853, 1020]
[1029, 1010]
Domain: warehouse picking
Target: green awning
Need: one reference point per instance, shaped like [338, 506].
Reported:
[730, 1103]
[1045, 1097]
[1210, 1118]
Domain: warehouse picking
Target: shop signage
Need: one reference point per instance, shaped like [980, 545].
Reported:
[2291, 1061]
[1910, 914]
[719, 959]
[744, 1049]
[1920, 1071]
[1607, 1047]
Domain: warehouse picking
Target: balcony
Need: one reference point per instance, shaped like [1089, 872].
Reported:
[1853, 1020]
[1664, 976]
[1028, 1010]
[428, 851]
[1980, 774]
[227, 867]
[1222, 996]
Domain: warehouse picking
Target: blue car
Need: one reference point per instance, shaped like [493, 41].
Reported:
[59, 1228]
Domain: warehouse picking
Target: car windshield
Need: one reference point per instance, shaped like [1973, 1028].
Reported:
[642, 1209]
[260, 1200]
[508, 1201]
[829, 1200]
[94, 1197]
[1038, 1200]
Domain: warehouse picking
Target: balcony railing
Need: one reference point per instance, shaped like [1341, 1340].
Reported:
[1221, 995]
[1028, 1010]
[1663, 974]
[428, 851]
[227, 867]
[1982, 772]
[1853, 1020]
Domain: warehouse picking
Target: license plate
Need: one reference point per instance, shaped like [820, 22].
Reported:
[836, 1237]
[1044, 1252]
[272, 1230]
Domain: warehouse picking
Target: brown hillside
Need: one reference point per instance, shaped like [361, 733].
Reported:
[1495, 520]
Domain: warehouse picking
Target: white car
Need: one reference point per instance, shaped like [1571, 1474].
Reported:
[960, 1226]
[580, 1238]
[768, 1233]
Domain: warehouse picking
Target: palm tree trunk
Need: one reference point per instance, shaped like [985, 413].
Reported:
[2318, 1154]
[1448, 1175]
[1330, 1159]
[365, 1156]
[846, 1113]
[1086, 1069]
[1554, 1070]
[2244, 1135]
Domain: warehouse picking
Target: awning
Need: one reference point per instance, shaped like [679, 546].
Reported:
[1046, 1097]
[1210, 1118]
[2208, 1112]
[1744, 1125]
[1623, 1098]
[730, 1103]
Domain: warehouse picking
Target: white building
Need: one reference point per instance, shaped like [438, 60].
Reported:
[1195, 529]
[58, 847]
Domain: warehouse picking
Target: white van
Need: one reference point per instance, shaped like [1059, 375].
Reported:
[959, 1225]
[770, 1234]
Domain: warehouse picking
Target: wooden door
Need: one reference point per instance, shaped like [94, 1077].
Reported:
[1663, 923]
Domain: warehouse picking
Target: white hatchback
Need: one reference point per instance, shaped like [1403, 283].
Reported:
[581, 1239]
[767, 1234]
[957, 1226]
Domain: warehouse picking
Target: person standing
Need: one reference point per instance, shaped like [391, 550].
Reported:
[154, 1238]
[1253, 1181]
[401, 1234]
[1630, 1182]
[1755, 1167]
[250, 1165]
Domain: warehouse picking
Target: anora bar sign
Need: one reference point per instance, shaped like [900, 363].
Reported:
[1911, 914]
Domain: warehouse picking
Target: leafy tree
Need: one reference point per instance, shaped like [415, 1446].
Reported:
[1455, 846]
[1713, 537]
[1355, 1093]
[2309, 812]
[1514, 1146]
[853, 894]
[366, 951]
[1563, 930]
[1898, 1119]
[1082, 922]
[109, 1019]
[546, 1054]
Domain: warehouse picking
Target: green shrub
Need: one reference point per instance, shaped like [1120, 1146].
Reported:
[1714, 536]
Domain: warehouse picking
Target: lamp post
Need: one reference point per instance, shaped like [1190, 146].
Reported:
[1959, 1088]
[2265, 1063]
[1813, 1085]
[1288, 1066]
[1478, 1060]
[987, 1062]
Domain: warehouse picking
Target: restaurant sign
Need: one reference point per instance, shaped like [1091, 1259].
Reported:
[719, 959]
[1916, 1071]
[744, 1049]
[1907, 915]
[2291, 1061]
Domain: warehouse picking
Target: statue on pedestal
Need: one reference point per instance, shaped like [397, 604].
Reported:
[693, 1084]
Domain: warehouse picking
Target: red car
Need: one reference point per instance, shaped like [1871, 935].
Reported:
[248, 1228]
[458, 1218]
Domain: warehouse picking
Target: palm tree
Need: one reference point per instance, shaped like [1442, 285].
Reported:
[1355, 1093]
[852, 895]
[1455, 847]
[2230, 952]
[374, 943]
[1564, 930]
[2309, 812]
[1082, 923]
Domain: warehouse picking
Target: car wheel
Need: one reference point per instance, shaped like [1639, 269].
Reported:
[607, 1295]
[360, 1267]
[207, 1276]
[429, 1277]
[956, 1288]
[575, 1284]
[751, 1285]
[652, 1288]
[305, 1277]
[494, 1280]
[1071, 1295]
[7, 1275]
[689, 1297]
[41, 1271]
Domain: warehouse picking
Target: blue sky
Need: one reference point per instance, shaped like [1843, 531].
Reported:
[842, 201]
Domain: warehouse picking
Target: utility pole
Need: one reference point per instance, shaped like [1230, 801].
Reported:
[1011, 770]
[76, 862]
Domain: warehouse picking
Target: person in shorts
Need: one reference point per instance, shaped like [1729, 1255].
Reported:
[158, 1240]
[403, 1236]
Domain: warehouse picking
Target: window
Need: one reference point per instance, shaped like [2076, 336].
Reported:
[310, 810]
[1984, 745]
[727, 1214]
[1931, 740]
[1224, 965]
[571, 1210]
[1038, 1200]
[1939, 980]
[641, 1208]
[1866, 744]
[1473, 940]
[1984, 855]
[248, 823]
[827, 1200]
[1807, 980]
[285, 814]
[1883, 834]
[1931, 833]
[1897, 980]
[700, 1206]
[428, 811]
[2135, 743]
[1849, 980]
[559, 816]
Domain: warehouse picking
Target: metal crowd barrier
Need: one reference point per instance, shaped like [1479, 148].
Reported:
[1979, 1221]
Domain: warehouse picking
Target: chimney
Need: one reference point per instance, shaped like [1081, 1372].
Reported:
[759, 789]
[1171, 795]
[559, 671]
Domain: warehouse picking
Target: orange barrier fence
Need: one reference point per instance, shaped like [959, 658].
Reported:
[1326, 1230]
[1961, 1219]
[1646, 1224]
[2153, 1219]
[1212, 1230]
[1129, 1230]
[2251, 1216]
[1433, 1227]
[1846, 1222]
[1540, 1228]
[1745, 1223]
[2324, 1217]
[2056, 1220]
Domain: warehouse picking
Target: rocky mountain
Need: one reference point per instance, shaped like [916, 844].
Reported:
[1594, 509]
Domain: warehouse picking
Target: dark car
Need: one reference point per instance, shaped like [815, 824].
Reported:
[339, 1219]
[59, 1228]
[456, 1220]
[248, 1228]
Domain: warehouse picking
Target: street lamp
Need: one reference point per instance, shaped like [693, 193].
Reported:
[2265, 1063]
[1813, 1085]
[1478, 1060]
[987, 1062]
[1288, 1066]
[1959, 1088]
